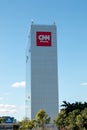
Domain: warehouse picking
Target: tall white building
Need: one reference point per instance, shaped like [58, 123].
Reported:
[44, 69]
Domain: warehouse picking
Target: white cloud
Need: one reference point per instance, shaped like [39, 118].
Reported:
[19, 84]
[15, 111]
[6, 109]
[83, 84]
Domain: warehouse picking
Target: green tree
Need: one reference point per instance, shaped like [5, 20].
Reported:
[71, 119]
[59, 121]
[31, 124]
[72, 116]
[42, 118]
[2, 120]
[27, 124]
[81, 119]
[23, 124]
[73, 106]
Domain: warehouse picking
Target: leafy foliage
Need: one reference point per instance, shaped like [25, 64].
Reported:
[27, 124]
[2, 120]
[73, 116]
[73, 106]
[42, 118]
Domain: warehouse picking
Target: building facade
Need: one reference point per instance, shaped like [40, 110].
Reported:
[8, 123]
[44, 69]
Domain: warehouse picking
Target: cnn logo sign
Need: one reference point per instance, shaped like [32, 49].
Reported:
[43, 38]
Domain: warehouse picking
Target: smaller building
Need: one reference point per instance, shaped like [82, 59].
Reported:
[10, 126]
[8, 123]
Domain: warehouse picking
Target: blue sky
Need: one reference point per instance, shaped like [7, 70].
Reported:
[70, 17]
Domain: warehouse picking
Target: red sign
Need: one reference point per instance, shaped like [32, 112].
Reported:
[43, 38]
